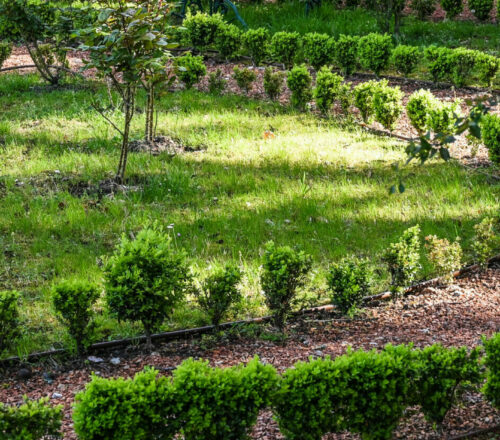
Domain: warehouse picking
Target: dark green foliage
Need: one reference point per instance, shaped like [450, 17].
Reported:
[228, 40]
[352, 3]
[439, 375]
[5, 51]
[216, 82]
[190, 69]
[201, 30]
[73, 301]
[349, 281]
[490, 128]
[463, 62]
[9, 318]
[439, 62]
[256, 43]
[346, 53]
[406, 59]
[374, 52]
[363, 98]
[299, 82]
[318, 49]
[492, 361]
[481, 8]
[388, 106]
[222, 404]
[33, 420]
[423, 8]
[142, 408]
[145, 278]
[219, 292]
[327, 89]
[244, 78]
[452, 7]
[403, 260]
[488, 67]
[285, 46]
[273, 83]
[284, 270]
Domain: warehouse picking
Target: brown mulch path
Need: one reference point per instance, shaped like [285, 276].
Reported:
[455, 315]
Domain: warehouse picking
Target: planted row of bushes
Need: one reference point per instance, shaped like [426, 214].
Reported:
[361, 392]
[373, 52]
[147, 277]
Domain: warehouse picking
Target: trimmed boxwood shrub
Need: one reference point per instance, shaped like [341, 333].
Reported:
[216, 82]
[443, 117]
[299, 82]
[317, 49]
[327, 89]
[445, 257]
[33, 420]
[284, 47]
[439, 62]
[201, 29]
[363, 98]
[374, 52]
[406, 58]
[222, 404]
[228, 40]
[481, 8]
[256, 43]
[73, 301]
[190, 69]
[5, 51]
[388, 106]
[244, 78]
[346, 53]
[452, 7]
[423, 8]
[488, 67]
[492, 361]
[418, 109]
[145, 279]
[142, 408]
[463, 62]
[9, 318]
[490, 128]
[273, 83]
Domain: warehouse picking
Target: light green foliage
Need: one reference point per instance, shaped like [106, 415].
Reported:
[374, 52]
[219, 292]
[228, 40]
[216, 82]
[244, 78]
[445, 257]
[327, 89]
[190, 69]
[285, 46]
[145, 278]
[403, 260]
[388, 105]
[142, 408]
[481, 8]
[349, 281]
[33, 420]
[318, 49]
[299, 82]
[486, 241]
[364, 93]
[9, 318]
[273, 83]
[452, 7]
[439, 62]
[423, 8]
[418, 109]
[406, 58]
[256, 43]
[444, 115]
[222, 404]
[346, 53]
[463, 62]
[73, 301]
[284, 270]
[492, 361]
[5, 51]
[488, 67]
[490, 129]
[202, 29]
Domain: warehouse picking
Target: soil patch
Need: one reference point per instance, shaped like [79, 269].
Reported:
[161, 144]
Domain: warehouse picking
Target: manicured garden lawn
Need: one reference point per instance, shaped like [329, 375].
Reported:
[313, 183]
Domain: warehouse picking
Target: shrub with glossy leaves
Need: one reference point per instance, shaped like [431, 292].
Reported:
[486, 241]
[284, 47]
[374, 52]
[201, 29]
[463, 62]
[349, 282]
[9, 318]
[73, 301]
[327, 89]
[388, 106]
[423, 8]
[142, 408]
[488, 67]
[318, 49]
[346, 53]
[244, 78]
[443, 116]
[145, 278]
[418, 109]
[406, 58]
[228, 40]
[5, 51]
[452, 7]
[403, 260]
[490, 128]
[445, 257]
[439, 62]
[219, 292]
[284, 270]
[256, 43]
[492, 361]
[190, 69]
[363, 98]
[222, 404]
[299, 82]
[273, 83]
[481, 8]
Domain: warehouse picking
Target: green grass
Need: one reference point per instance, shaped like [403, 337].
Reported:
[290, 16]
[316, 185]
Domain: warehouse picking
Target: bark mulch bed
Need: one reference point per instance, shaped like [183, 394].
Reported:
[455, 315]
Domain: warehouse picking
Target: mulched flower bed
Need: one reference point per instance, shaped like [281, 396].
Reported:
[455, 315]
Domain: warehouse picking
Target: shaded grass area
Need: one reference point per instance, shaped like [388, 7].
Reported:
[317, 185]
[290, 16]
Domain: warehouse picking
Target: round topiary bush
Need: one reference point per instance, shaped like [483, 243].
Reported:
[490, 128]
[374, 52]
[481, 8]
